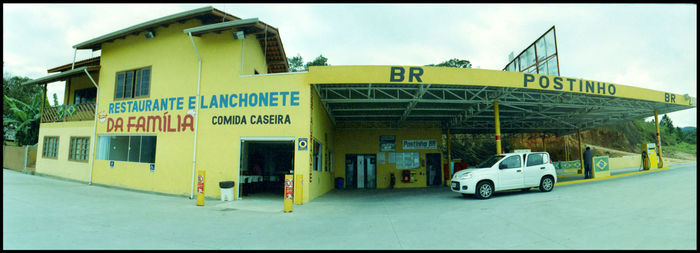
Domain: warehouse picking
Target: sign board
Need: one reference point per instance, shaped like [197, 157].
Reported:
[419, 144]
[381, 158]
[153, 167]
[387, 143]
[303, 144]
[111, 164]
[407, 160]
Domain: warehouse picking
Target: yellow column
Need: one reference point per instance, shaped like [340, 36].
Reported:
[498, 127]
[658, 139]
[299, 190]
[449, 156]
[580, 150]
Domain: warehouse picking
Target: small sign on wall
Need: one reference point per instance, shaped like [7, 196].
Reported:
[111, 164]
[153, 167]
[303, 144]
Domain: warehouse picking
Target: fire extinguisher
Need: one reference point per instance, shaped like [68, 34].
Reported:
[405, 176]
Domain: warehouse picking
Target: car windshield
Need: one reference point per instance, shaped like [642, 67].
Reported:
[490, 161]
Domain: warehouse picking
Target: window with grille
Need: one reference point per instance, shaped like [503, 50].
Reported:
[50, 149]
[133, 84]
[79, 148]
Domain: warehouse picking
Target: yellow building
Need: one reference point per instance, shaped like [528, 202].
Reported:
[205, 90]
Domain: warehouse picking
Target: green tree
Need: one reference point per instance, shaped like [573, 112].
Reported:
[319, 61]
[12, 87]
[55, 99]
[666, 122]
[296, 64]
[24, 118]
[453, 63]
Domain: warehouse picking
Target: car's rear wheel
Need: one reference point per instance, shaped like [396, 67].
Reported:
[484, 190]
[546, 184]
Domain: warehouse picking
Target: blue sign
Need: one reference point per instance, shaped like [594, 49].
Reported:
[303, 144]
[111, 164]
[153, 167]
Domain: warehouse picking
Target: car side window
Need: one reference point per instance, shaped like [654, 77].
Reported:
[534, 159]
[511, 162]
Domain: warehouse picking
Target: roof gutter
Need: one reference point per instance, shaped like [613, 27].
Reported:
[196, 119]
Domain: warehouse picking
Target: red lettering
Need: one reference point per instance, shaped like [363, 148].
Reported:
[129, 124]
[170, 129]
[119, 124]
[141, 124]
[188, 122]
[110, 124]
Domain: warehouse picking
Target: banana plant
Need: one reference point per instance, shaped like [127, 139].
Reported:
[25, 119]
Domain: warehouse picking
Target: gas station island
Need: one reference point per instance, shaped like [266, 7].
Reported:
[190, 93]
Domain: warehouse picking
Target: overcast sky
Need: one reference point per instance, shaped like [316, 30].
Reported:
[650, 46]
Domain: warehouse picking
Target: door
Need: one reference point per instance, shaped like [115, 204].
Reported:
[371, 173]
[360, 171]
[510, 173]
[534, 169]
[433, 172]
[350, 161]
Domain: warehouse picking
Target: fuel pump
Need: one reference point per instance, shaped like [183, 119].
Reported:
[649, 156]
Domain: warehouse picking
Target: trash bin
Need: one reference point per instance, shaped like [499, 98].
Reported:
[339, 183]
[226, 190]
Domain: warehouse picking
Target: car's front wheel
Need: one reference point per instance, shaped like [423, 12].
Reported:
[484, 190]
[546, 184]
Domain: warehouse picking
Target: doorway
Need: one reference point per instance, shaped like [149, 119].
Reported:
[361, 171]
[264, 162]
[432, 168]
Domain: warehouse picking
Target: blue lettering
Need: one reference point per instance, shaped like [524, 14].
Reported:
[141, 106]
[223, 99]
[148, 105]
[601, 88]
[284, 97]
[111, 107]
[253, 99]
[156, 106]
[123, 106]
[231, 100]
[294, 98]
[543, 85]
[191, 102]
[557, 83]
[164, 104]
[180, 102]
[172, 103]
[273, 98]
[611, 89]
[571, 83]
[212, 103]
[528, 78]
[242, 100]
[263, 98]
[202, 104]
[590, 87]
[131, 108]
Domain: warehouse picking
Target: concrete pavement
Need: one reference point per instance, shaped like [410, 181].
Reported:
[655, 210]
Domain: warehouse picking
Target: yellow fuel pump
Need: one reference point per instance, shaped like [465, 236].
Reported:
[649, 156]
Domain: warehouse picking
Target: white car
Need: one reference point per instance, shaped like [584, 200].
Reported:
[508, 171]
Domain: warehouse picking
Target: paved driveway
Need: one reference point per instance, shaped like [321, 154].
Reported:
[655, 210]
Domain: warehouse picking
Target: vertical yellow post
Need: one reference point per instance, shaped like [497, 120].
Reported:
[498, 127]
[299, 189]
[288, 192]
[658, 139]
[200, 187]
[580, 150]
[449, 156]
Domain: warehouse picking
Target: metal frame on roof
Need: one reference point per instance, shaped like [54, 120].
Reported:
[469, 109]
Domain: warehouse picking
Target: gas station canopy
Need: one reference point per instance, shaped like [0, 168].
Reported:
[463, 99]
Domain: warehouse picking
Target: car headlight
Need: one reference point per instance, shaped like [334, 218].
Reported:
[466, 176]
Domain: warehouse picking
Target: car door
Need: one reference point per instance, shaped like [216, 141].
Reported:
[510, 173]
[534, 168]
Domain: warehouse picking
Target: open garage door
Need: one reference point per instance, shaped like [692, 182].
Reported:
[264, 162]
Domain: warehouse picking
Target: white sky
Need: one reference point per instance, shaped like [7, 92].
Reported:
[644, 45]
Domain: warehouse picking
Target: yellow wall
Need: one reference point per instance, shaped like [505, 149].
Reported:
[174, 72]
[61, 166]
[323, 132]
[366, 141]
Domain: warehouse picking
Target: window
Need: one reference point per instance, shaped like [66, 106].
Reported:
[79, 148]
[85, 95]
[317, 164]
[135, 148]
[133, 84]
[534, 159]
[50, 149]
[511, 162]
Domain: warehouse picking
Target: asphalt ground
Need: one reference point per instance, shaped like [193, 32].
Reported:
[654, 210]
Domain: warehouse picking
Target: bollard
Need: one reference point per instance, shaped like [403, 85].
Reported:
[288, 192]
[200, 187]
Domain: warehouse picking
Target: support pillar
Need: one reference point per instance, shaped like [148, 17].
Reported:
[449, 157]
[498, 127]
[566, 149]
[580, 150]
[658, 139]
